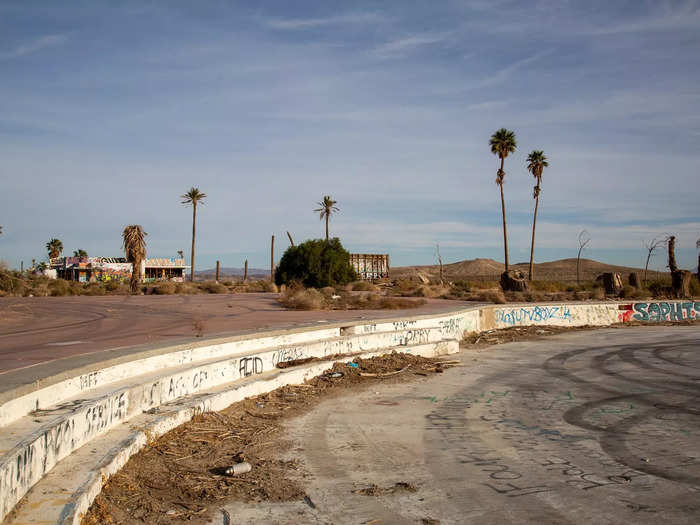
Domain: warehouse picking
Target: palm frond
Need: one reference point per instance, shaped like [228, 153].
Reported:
[503, 142]
[193, 196]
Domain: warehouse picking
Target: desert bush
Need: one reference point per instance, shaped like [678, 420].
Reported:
[166, 288]
[213, 287]
[299, 298]
[316, 263]
[186, 288]
[492, 296]
[694, 287]
[10, 284]
[93, 289]
[59, 288]
[660, 288]
[363, 286]
[630, 292]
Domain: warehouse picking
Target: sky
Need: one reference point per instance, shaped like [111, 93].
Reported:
[109, 111]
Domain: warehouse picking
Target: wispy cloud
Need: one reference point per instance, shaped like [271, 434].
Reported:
[503, 74]
[401, 46]
[33, 46]
[687, 18]
[307, 23]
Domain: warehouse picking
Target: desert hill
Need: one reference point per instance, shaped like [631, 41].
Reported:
[230, 272]
[490, 270]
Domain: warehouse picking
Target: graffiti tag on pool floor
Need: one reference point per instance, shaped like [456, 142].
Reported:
[534, 314]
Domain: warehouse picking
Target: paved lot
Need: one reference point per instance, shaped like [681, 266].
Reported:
[42, 336]
[590, 427]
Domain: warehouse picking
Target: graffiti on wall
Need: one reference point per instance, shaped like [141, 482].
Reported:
[656, 312]
[534, 314]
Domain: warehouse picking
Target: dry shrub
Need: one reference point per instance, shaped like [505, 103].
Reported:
[695, 287]
[298, 298]
[186, 288]
[492, 296]
[166, 288]
[404, 287]
[598, 294]
[59, 288]
[630, 292]
[268, 286]
[93, 289]
[362, 286]
[328, 291]
[213, 287]
[431, 291]
[550, 286]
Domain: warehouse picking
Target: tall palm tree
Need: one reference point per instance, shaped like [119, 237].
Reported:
[193, 197]
[181, 254]
[536, 163]
[80, 253]
[327, 208]
[502, 143]
[135, 252]
[54, 247]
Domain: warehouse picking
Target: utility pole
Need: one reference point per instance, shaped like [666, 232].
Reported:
[218, 267]
[245, 271]
[21, 266]
[272, 260]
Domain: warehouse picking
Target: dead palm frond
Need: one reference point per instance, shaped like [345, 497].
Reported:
[134, 244]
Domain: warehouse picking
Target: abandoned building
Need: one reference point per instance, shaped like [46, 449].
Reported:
[104, 269]
[370, 266]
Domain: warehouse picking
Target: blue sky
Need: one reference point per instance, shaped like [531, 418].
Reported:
[110, 110]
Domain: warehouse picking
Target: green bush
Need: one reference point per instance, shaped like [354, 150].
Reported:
[316, 263]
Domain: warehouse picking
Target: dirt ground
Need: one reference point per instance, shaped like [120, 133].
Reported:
[181, 476]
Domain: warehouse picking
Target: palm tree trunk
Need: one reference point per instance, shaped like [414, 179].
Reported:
[532, 246]
[194, 235]
[503, 210]
[326, 226]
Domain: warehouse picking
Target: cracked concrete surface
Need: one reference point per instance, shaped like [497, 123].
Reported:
[588, 427]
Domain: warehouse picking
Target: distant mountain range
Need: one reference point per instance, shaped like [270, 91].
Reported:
[488, 269]
[231, 272]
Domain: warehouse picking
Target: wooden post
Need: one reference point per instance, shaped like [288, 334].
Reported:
[290, 239]
[272, 259]
[387, 265]
[245, 271]
[218, 267]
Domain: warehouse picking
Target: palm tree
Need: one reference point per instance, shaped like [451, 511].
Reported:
[193, 197]
[135, 252]
[502, 143]
[536, 163]
[80, 253]
[697, 245]
[327, 208]
[181, 254]
[54, 247]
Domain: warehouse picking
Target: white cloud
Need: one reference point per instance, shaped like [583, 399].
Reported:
[401, 46]
[33, 46]
[306, 23]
